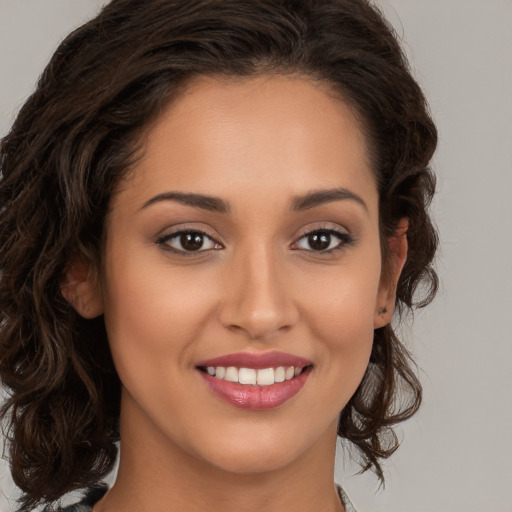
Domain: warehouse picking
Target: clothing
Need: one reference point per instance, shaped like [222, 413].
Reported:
[345, 500]
[95, 493]
[91, 497]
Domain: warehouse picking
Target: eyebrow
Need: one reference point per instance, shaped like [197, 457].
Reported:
[299, 203]
[320, 197]
[212, 204]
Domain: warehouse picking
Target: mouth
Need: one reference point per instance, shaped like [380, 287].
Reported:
[255, 381]
[253, 376]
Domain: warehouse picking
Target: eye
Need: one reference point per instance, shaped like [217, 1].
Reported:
[323, 240]
[188, 241]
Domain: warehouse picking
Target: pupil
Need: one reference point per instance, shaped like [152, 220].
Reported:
[319, 241]
[191, 241]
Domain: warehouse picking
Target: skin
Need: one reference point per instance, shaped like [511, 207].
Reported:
[257, 144]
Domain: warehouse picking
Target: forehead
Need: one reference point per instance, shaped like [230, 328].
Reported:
[285, 133]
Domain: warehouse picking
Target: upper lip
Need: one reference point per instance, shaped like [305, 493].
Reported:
[257, 361]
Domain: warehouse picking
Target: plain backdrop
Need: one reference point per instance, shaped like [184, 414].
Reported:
[456, 454]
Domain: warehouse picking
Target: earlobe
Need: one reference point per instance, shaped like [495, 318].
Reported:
[80, 288]
[389, 280]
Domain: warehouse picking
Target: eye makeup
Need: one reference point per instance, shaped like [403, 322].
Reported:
[321, 240]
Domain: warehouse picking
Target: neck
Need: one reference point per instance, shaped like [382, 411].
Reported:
[157, 475]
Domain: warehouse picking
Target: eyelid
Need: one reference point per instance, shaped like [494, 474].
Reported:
[163, 241]
[344, 237]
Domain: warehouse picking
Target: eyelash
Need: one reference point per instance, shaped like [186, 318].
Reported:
[164, 242]
[344, 240]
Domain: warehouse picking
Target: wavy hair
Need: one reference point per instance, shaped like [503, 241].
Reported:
[75, 139]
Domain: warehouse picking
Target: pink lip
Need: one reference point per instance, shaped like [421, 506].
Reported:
[257, 361]
[256, 397]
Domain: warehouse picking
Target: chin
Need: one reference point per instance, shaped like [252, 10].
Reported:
[262, 450]
[250, 462]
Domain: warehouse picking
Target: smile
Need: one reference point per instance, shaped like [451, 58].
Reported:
[255, 381]
[253, 377]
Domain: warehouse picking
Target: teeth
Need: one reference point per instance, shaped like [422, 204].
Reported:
[231, 374]
[279, 374]
[250, 376]
[265, 377]
[247, 376]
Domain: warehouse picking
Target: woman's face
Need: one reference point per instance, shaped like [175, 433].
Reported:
[245, 237]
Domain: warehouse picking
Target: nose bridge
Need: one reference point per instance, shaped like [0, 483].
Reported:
[256, 300]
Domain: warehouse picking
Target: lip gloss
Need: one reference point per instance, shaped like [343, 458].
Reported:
[256, 397]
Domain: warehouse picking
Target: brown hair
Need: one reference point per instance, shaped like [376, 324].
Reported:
[74, 140]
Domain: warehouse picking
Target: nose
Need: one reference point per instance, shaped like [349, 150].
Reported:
[257, 301]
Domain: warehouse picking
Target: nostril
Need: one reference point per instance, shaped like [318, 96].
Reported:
[260, 311]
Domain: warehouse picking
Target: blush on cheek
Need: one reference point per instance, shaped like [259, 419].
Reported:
[345, 325]
[345, 314]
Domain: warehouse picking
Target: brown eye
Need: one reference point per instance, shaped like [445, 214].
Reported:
[188, 241]
[191, 241]
[323, 240]
[319, 241]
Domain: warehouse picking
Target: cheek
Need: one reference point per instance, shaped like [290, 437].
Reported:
[348, 316]
[340, 313]
[153, 313]
[341, 305]
[347, 331]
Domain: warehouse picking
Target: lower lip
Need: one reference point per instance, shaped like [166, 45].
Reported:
[246, 396]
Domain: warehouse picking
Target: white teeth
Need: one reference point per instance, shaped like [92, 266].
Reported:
[279, 374]
[265, 377]
[231, 374]
[247, 376]
[250, 376]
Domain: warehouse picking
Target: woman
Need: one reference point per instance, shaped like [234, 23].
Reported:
[210, 212]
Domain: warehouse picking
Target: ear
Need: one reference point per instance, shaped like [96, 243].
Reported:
[81, 289]
[389, 279]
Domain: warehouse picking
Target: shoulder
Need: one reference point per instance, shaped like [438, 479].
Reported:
[89, 499]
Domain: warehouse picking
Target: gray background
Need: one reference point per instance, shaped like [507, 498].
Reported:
[456, 454]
